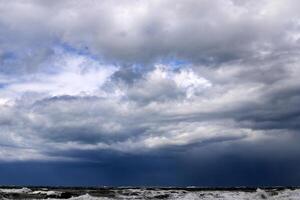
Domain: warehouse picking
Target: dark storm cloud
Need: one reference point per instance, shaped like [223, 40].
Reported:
[201, 168]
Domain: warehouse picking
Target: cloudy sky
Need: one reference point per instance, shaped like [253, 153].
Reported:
[137, 92]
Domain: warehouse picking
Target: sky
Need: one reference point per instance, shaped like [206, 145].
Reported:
[150, 93]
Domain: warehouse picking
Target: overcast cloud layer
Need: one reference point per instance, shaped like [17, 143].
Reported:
[183, 81]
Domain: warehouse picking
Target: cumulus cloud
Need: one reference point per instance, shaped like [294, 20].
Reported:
[139, 77]
[141, 31]
[163, 108]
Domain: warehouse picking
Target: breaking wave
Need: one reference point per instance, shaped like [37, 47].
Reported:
[149, 193]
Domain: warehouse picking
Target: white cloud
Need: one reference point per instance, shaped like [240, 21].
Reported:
[70, 74]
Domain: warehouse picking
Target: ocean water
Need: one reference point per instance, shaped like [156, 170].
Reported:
[150, 193]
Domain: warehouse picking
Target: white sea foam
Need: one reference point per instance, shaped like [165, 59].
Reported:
[47, 192]
[21, 190]
[240, 195]
[89, 197]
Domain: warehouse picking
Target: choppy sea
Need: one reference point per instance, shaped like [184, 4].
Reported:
[188, 193]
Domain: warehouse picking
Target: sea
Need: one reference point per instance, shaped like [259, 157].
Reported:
[183, 193]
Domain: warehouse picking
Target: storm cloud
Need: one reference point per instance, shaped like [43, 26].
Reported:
[184, 83]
